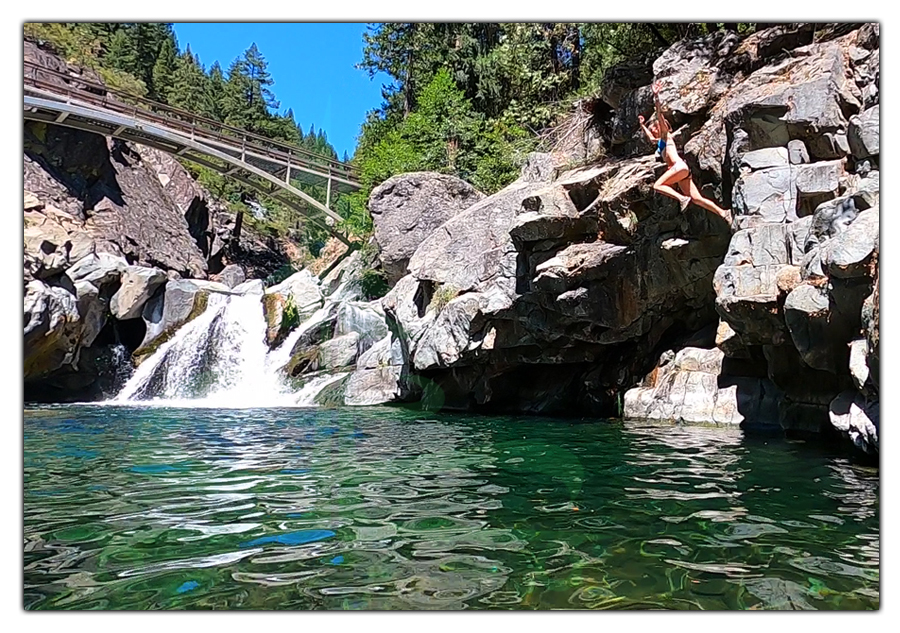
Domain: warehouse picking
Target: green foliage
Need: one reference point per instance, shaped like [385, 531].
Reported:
[443, 294]
[290, 316]
[373, 283]
[165, 68]
[470, 98]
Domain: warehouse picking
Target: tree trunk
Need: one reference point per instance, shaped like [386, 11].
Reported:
[657, 34]
[576, 57]
[238, 224]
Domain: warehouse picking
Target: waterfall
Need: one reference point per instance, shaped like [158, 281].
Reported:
[219, 359]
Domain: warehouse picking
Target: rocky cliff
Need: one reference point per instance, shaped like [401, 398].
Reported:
[581, 292]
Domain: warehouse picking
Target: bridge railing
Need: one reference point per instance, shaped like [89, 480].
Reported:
[192, 125]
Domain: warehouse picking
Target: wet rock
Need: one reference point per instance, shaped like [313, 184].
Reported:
[687, 388]
[864, 133]
[366, 320]
[341, 351]
[138, 285]
[408, 208]
[250, 287]
[857, 419]
[181, 301]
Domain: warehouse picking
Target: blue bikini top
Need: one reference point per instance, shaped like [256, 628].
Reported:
[660, 146]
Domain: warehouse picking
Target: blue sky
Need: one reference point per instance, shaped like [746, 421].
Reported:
[312, 65]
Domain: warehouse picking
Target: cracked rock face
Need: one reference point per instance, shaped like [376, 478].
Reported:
[559, 291]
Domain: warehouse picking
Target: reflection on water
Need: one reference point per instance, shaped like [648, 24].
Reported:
[130, 508]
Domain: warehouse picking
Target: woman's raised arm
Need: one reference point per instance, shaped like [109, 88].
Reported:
[663, 124]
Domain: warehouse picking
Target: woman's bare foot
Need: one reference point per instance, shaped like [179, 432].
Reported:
[685, 201]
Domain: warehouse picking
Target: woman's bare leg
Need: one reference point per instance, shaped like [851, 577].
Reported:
[707, 204]
[674, 174]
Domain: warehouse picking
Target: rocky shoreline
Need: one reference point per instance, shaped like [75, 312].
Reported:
[573, 291]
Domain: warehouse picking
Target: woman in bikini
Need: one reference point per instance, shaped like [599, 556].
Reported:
[678, 172]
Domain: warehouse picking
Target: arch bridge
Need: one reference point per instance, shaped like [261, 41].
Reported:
[271, 167]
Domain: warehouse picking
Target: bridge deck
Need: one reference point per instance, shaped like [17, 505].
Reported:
[271, 167]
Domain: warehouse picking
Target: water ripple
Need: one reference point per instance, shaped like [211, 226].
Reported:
[163, 508]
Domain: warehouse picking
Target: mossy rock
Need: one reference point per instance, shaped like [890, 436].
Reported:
[302, 361]
[273, 308]
[332, 395]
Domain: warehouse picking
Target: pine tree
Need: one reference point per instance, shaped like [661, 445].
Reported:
[189, 86]
[216, 90]
[164, 69]
[121, 54]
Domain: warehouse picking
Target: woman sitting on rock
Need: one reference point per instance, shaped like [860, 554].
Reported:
[678, 172]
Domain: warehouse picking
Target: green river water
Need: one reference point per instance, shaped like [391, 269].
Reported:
[157, 508]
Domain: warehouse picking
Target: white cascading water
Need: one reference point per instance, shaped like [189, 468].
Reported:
[220, 359]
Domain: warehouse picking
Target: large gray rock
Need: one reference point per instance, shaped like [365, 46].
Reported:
[857, 419]
[819, 178]
[180, 302]
[746, 284]
[859, 367]
[686, 387]
[770, 193]
[379, 375]
[250, 287]
[381, 385]
[53, 329]
[864, 133]
[340, 351]
[303, 289]
[366, 320]
[408, 208]
[848, 253]
[138, 285]
[803, 97]
[807, 312]
[93, 309]
[100, 269]
[114, 194]
[232, 275]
